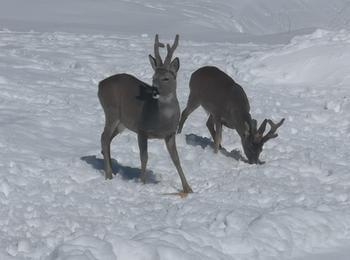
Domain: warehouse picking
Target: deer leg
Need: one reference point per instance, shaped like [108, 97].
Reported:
[142, 141]
[218, 135]
[106, 151]
[171, 146]
[110, 131]
[114, 134]
[191, 106]
[210, 126]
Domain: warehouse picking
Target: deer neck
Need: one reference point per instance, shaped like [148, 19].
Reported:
[168, 98]
[160, 116]
[243, 124]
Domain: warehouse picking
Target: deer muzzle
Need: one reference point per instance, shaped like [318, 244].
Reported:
[155, 92]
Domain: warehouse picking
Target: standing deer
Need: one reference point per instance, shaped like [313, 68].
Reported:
[228, 105]
[149, 111]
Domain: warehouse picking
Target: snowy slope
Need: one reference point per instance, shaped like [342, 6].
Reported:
[206, 20]
[55, 203]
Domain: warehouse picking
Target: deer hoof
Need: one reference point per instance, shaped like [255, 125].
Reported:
[143, 178]
[261, 162]
[187, 190]
[109, 177]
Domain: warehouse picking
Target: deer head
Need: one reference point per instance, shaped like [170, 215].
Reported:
[254, 139]
[164, 77]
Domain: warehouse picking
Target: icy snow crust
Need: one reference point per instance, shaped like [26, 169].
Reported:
[56, 204]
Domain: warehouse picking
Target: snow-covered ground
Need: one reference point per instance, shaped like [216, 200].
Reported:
[205, 20]
[54, 200]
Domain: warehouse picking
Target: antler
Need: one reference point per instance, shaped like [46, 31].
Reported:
[171, 50]
[253, 126]
[258, 133]
[158, 45]
[262, 127]
[272, 133]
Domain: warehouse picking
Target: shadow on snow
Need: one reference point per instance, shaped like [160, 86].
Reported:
[195, 140]
[127, 173]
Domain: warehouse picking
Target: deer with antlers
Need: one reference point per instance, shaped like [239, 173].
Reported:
[228, 105]
[149, 111]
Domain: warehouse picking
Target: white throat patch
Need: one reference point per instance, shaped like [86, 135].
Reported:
[166, 99]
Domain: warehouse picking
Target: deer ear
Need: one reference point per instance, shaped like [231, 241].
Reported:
[152, 61]
[175, 65]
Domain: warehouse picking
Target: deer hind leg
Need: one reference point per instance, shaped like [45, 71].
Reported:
[112, 128]
[142, 141]
[171, 146]
[192, 104]
[218, 134]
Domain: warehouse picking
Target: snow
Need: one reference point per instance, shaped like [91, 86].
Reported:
[338, 253]
[320, 57]
[207, 20]
[54, 200]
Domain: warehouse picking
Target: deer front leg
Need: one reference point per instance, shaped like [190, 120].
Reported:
[210, 126]
[142, 141]
[218, 135]
[171, 146]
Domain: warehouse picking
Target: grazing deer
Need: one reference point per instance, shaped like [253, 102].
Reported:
[149, 111]
[228, 105]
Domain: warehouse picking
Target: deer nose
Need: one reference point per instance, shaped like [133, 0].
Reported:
[155, 92]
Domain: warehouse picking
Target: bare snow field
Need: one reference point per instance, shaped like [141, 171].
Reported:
[56, 204]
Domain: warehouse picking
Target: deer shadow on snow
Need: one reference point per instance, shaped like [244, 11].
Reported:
[195, 140]
[126, 172]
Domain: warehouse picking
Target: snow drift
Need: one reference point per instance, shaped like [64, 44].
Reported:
[322, 58]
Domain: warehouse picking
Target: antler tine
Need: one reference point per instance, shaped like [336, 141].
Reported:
[158, 45]
[171, 50]
[253, 124]
[272, 133]
[262, 127]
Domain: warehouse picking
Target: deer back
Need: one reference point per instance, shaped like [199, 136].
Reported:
[220, 96]
[227, 102]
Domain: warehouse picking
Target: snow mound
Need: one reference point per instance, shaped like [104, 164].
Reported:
[84, 247]
[322, 57]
